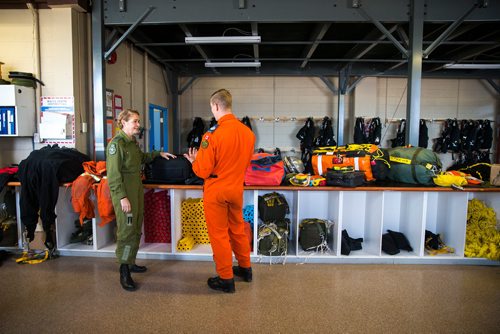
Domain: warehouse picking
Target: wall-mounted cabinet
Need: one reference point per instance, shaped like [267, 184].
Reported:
[17, 111]
[364, 212]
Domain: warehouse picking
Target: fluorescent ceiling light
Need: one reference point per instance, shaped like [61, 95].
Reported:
[223, 40]
[473, 66]
[233, 64]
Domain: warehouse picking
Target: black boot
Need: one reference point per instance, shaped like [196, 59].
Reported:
[125, 278]
[217, 283]
[134, 268]
[245, 273]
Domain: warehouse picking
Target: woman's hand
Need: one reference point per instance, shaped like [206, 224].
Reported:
[191, 155]
[166, 155]
[125, 203]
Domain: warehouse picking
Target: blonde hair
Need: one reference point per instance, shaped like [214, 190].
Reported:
[223, 98]
[125, 116]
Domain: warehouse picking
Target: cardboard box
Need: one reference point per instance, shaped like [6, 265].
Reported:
[495, 175]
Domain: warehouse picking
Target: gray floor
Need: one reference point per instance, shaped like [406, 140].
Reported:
[83, 295]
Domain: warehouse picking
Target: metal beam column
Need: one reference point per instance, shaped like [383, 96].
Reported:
[99, 80]
[414, 71]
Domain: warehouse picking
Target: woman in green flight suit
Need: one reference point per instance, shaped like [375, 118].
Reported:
[123, 164]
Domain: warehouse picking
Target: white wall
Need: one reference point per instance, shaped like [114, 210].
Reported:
[286, 97]
[268, 98]
[441, 99]
[139, 80]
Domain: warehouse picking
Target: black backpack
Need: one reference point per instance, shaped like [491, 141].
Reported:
[273, 207]
[423, 134]
[400, 135]
[194, 136]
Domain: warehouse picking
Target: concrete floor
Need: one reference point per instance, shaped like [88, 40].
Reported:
[83, 295]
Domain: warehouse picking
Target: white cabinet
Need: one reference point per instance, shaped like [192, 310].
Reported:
[363, 212]
[17, 111]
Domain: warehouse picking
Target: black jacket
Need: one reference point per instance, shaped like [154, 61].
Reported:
[40, 175]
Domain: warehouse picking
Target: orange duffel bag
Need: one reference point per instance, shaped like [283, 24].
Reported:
[321, 162]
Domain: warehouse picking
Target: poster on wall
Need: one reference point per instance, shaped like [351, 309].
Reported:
[110, 130]
[118, 103]
[109, 103]
[57, 123]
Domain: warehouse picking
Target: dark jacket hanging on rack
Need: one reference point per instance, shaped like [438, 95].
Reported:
[40, 174]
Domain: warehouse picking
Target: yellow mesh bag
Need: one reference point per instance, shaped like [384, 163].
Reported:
[185, 244]
[193, 221]
[192, 210]
[198, 230]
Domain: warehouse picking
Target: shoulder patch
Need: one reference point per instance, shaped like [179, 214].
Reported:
[204, 144]
[112, 148]
[213, 128]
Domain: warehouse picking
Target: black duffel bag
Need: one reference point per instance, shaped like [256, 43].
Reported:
[171, 171]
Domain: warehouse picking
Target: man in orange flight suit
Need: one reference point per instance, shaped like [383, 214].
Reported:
[224, 155]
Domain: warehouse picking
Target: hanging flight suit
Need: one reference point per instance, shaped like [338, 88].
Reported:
[123, 162]
[225, 152]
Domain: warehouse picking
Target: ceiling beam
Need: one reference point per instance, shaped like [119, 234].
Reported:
[318, 34]
[216, 11]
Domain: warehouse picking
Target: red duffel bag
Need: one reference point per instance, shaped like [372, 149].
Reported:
[265, 170]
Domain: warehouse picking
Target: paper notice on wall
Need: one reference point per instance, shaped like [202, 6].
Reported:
[55, 125]
[61, 104]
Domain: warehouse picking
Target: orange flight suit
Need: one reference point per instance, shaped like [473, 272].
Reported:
[225, 152]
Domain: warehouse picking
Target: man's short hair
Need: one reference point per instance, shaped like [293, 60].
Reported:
[223, 98]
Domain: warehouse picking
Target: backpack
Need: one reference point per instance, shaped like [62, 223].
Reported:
[194, 136]
[374, 131]
[265, 170]
[273, 238]
[306, 137]
[273, 207]
[326, 137]
[359, 137]
[313, 234]
[423, 134]
[413, 165]
[400, 135]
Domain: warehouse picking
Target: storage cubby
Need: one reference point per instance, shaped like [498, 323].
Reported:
[364, 212]
[291, 198]
[404, 212]
[446, 215]
[65, 223]
[320, 205]
[361, 216]
[104, 236]
[176, 199]
[157, 248]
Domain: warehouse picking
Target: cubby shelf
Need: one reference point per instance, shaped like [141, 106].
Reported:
[365, 212]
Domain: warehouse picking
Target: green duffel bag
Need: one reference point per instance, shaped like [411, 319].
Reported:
[415, 165]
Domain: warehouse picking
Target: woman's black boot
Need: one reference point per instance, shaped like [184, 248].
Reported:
[125, 278]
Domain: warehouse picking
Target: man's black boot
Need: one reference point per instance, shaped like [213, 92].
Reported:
[125, 278]
[217, 283]
[245, 273]
[134, 268]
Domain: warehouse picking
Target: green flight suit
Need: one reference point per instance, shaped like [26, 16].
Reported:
[124, 160]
